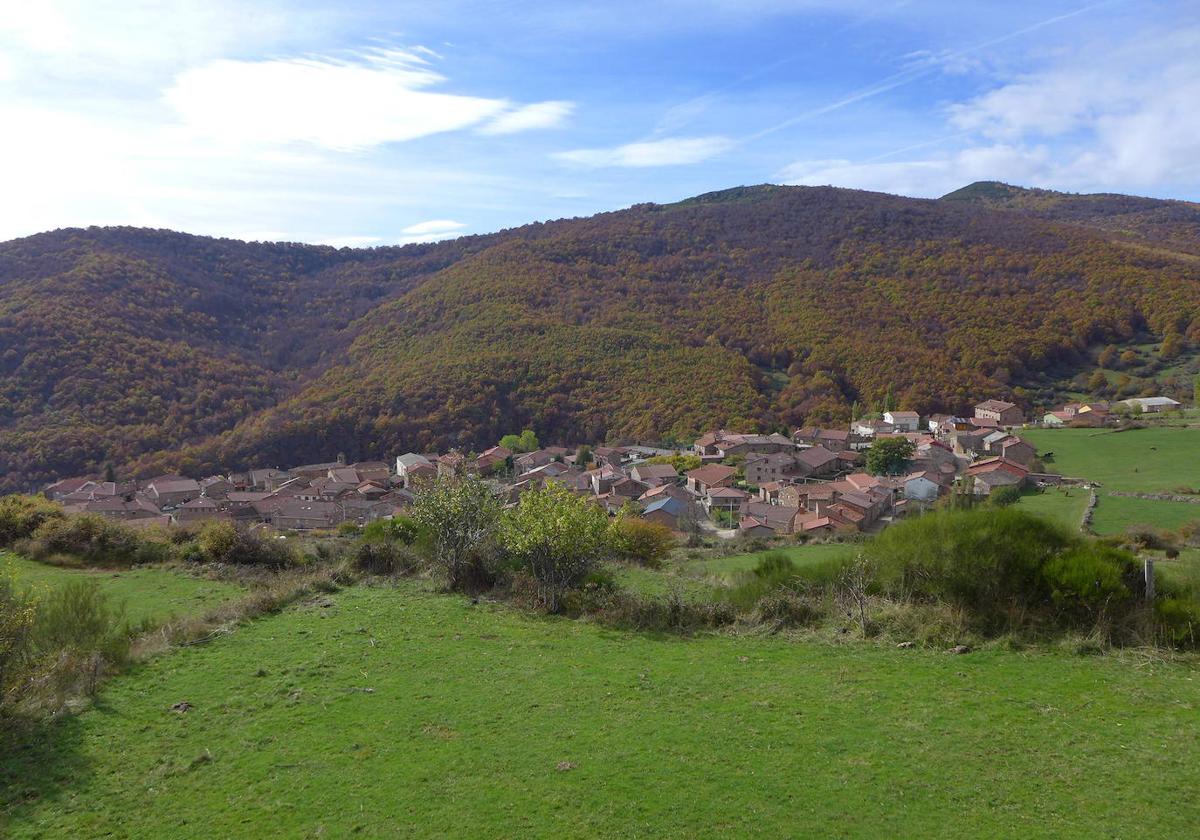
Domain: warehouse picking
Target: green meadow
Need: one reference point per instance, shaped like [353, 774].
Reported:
[1159, 459]
[1150, 460]
[146, 593]
[396, 712]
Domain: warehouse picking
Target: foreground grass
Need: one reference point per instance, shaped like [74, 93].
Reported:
[395, 712]
[1151, 460]
[147, 593]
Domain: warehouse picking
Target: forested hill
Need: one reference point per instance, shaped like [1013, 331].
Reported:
[754, 307]
[1133, 219]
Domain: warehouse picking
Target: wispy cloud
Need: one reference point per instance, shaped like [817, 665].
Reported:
[1128, 122]
[670, 151]
[539, 115]
[430, 231]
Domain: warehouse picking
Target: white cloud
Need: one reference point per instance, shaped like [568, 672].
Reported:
[670, 151]
[538, 115]
[430, 231]
[1126, 123]
[335, 104]
[350, 241]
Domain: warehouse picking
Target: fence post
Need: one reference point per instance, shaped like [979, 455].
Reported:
[1149, 567]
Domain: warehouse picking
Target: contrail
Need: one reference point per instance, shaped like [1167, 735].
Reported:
[905, 77]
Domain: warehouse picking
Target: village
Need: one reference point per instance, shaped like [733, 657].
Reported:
[813, 484]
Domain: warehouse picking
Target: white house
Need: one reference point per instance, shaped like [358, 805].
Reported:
[903, 421]
[921, 487]
[409, 461]
[1152, 404]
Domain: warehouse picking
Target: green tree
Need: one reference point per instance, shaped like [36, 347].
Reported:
[460, 516]
[682, 462]
[889, 455]
[1172, 346]
[1097, 382]
[583, 456]
[527, 441]
[556, 536]
[1108, 357]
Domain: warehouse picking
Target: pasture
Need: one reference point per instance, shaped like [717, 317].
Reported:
[398, 712]
[146, 593]
[1150, 460]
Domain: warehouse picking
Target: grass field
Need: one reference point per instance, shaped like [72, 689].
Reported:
[146, 593]
[1063, 506]
[726, 567]
[656, 582]
[1143, 460]
[1115, 514]
[395, 712]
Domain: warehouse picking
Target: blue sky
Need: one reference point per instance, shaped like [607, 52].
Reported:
[382, 123]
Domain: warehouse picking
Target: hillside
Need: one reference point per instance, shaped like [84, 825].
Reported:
[756, 306]
[1133, 219]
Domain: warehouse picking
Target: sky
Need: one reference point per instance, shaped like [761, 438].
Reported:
[381, 123]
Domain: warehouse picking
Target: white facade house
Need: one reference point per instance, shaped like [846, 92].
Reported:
[921, 487]
[408, 461]
[903, 421]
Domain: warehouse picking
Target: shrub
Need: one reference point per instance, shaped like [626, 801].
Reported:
[17, 613]
[222, 542]
[639, 541]
[784, 608]
[401, 529]
[92, 540]
[78, 618]
[557, 537]
[1005, 496]
[20, 516]
[1089, 578]
[461, 515]
[1179, 620]
[982, 559]
[386, 558]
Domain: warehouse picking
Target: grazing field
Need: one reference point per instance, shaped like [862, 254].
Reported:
[1063, 506]
[395, 712]
[726, 567]
[1116, 514]
[1151, 460]
[657, 582]
[146, 593]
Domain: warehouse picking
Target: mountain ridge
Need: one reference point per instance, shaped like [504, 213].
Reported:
[760, 306]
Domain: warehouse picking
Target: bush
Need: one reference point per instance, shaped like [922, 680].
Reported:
[1005, 496]
[90, 539]
[386, 558]
[17, 614]
[784, 608]
[78, 618]
[222, 542]
[1179, 620]
[20, 516]
[982, 559]
[1090, 578]
[401, 529]
[460, 517]
[557, 537]
[641, 542]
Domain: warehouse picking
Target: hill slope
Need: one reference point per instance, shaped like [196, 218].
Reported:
[756, 306]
